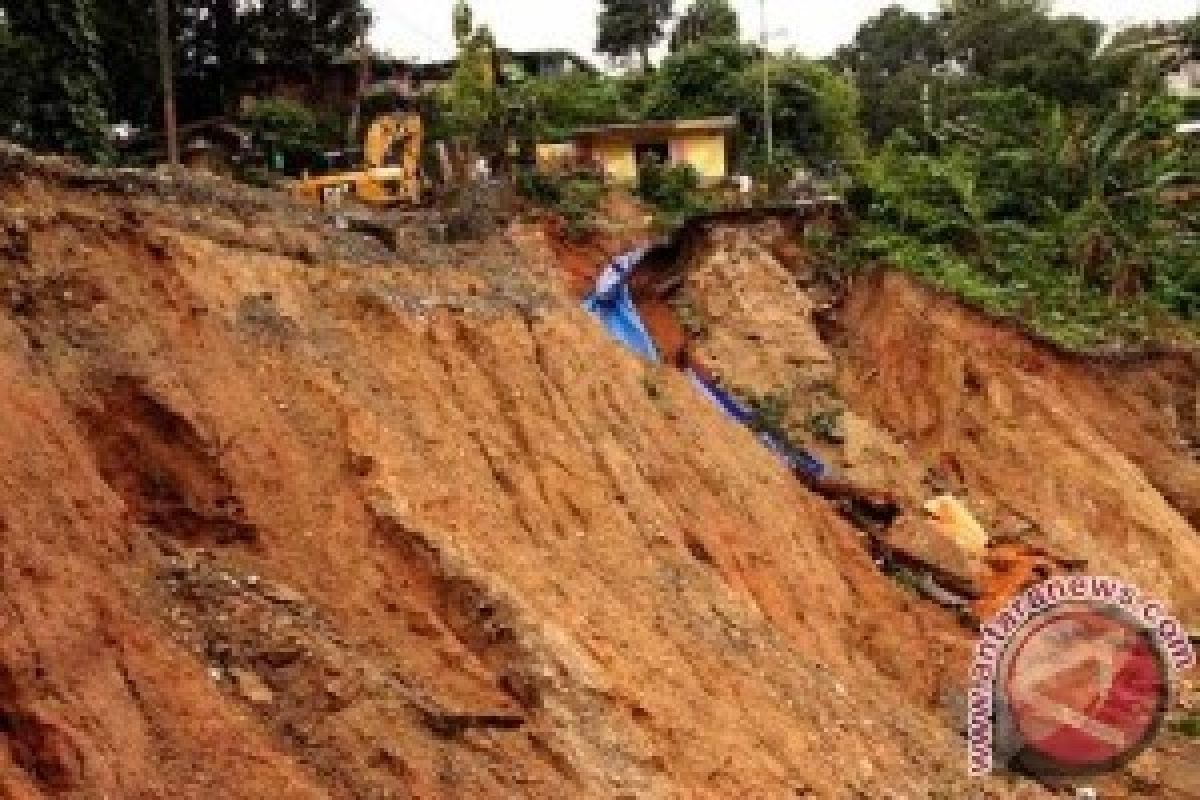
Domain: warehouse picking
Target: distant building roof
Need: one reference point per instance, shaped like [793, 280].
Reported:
[658, 127]
[533, 63]
[1188, 127]
[538, 60]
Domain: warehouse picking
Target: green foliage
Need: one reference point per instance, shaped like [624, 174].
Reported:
[71, 66]
[463, 22]
[284, 32]
[708, 79]
[914, 70]
[57, 43]
[815, 110]
[294, 131]
[563, 104]
[625, 27]
[470, 105]
[573, 197]
[907, 579]
[673, 190]
[706, 19]
[691, 319]
[1051, 215]
[770, 411]
[892, 58]
[827, 425]
[18, 56]
[1019, 44]
[1188, 725]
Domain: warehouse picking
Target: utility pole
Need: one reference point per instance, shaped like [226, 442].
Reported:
[168, 83]
[364, 81]
[767, 121]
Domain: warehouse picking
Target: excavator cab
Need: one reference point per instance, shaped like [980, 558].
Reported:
[390, 175]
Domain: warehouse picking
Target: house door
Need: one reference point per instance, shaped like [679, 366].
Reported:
[659, 151]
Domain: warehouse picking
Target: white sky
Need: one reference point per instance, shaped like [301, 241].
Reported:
[421, 28]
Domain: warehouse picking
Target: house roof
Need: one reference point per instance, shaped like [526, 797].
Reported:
[528, 60]
[549, 56]
[658, 127]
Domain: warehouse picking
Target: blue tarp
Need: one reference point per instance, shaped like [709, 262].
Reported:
[612, 303]
[722, 399]
[793, 457]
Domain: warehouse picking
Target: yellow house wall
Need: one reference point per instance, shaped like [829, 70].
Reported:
[552, 156]
[704, 151]
[617, 159]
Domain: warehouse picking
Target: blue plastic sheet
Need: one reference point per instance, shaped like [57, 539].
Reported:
[722, 399]
[795, 458]
[612, 303]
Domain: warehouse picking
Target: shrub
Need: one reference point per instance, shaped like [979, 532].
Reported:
[1188, 726]
[573, 197]
[293, 131]
[674, 191]
[1058, 219]
[827, 426]
[770, 411]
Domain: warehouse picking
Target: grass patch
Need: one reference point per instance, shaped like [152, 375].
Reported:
[1188, 725]
[1055, 304]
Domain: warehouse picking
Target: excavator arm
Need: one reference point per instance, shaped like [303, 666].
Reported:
[391, 174]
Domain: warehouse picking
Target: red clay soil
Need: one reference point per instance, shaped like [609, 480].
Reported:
[282, 527]
[1092, 455]
[1064, 459]
[276, 524]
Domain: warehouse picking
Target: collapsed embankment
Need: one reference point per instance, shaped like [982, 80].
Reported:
[284, 516]
[1069, 461]
[905, 389]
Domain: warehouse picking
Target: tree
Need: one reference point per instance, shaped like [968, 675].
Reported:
[562, 104]
[891, 41]
[308, 34]
[815, 108]
[893, 57]
[1147, 52]
[469, 105]
[706, 19]
[1017, 44]
[967, 6]
[463, 22]
[1189, 34]
[217, 43]
[704, 80]
[632, 26]
[18, 56]
[127, 31]
[68, 85]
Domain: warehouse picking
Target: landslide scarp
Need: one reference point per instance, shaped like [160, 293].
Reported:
[288, 515]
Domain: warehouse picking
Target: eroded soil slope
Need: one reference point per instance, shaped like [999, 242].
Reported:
[288, 516]
[1094, 457]
[904, 389]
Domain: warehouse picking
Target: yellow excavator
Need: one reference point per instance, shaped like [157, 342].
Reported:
[391, 171]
